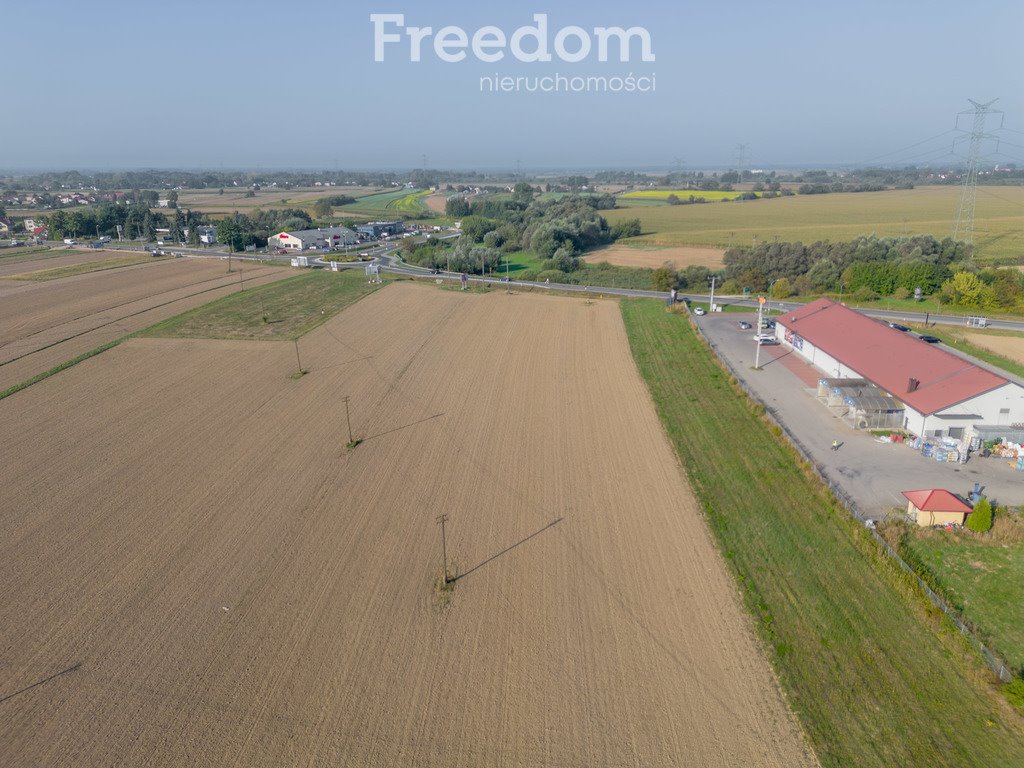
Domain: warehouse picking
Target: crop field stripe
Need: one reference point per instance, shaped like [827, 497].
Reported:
[876, 678]
[123, 317]
[88, 267]
[63, 366]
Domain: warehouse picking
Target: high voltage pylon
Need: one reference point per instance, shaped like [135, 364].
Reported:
[963, 224]
[741, 158]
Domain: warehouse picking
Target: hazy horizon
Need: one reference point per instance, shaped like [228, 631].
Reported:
[271, 87]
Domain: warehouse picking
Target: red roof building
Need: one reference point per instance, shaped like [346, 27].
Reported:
[930, 381]
[936, 507]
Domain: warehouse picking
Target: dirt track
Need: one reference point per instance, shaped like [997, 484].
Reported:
[215, 580]
[44, 324]
[679, 256]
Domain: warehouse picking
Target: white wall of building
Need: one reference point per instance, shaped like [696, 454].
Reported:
[1001, 406]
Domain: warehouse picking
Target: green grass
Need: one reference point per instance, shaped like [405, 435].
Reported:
[999, 219]
[875, 678]
[42, 275]
[389, 204]
[520, 261]
[983, 577]
[292, 307]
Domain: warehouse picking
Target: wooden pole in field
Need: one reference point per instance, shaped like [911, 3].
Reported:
[442, 519]
[297, 358]
[348, 419]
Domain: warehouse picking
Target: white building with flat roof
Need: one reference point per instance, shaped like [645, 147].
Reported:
[307, 239]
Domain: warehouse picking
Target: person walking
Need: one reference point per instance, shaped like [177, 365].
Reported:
[835, 445]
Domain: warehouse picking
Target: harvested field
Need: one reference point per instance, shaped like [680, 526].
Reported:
[1008, 346]
[678, 256]
[43, 324]
[43, 258]
[111, 261]
[436, 202]
[261, 595]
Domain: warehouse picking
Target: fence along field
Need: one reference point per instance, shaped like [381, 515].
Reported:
[262, 595]
[999, 219]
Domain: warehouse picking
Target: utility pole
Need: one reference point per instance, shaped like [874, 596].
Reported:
[757, 354]
[348, 419]
[442, 519]
[297, 358]
[711, 304]
[963, 224]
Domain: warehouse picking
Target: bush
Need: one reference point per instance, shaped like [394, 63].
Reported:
[901, 293]
[554, 275]
[1014, 691]
[980, 520]
[864, 294]
[664, 279]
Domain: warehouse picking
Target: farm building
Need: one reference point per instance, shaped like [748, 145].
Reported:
[942, 394]
[305, 239]
[935, 507]
[380, 228]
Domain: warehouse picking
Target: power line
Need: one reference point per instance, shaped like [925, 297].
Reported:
[911, 146]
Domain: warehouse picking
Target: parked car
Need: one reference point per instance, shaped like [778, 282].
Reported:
[698, 311]
[767, 341]
[745, 326]
[70, 241]
[930, 339]
[762, 336]
[898, 327]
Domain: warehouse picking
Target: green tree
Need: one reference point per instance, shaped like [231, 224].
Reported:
[980, 520]
[664, 279]
[148, 227]
[323, 208]
[172, 199]
[782, 289]
[522, 193]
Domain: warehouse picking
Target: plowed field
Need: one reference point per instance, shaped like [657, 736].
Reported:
[195, 570]
[43, 324]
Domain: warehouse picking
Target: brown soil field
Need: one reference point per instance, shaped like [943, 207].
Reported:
[1007, 346]
[43, 324]
[234, 199]
[56, 257]
[436, 202]
[679, 256]
[194, 570]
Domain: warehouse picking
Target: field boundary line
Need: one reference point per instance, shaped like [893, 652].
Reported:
[998, 666]
[63, 366]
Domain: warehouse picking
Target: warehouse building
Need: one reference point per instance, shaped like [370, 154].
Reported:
[942, 394]
[320, 239]
[381, 228]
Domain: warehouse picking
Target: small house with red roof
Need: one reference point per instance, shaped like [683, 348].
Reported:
[943, 394]
[936, 507]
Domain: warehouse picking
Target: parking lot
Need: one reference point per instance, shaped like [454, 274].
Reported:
[871, 472]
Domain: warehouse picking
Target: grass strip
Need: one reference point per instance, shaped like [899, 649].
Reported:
[875, 675]
[282, 310]
[63, 366]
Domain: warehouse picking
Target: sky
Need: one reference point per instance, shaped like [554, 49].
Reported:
[257, 84]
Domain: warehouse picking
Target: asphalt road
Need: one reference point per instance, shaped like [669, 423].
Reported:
[386, 256]
[390, 263]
